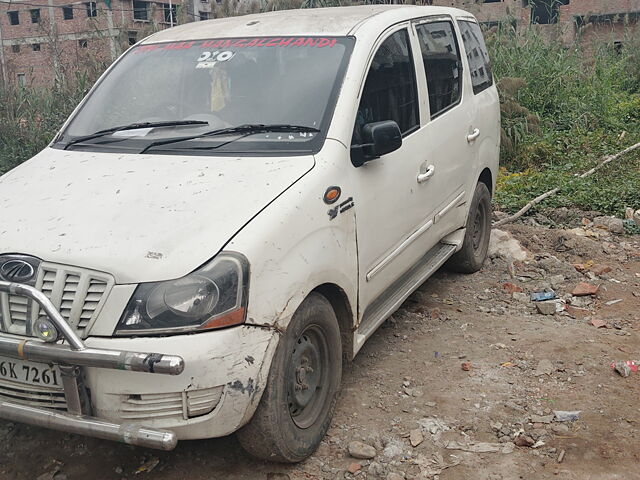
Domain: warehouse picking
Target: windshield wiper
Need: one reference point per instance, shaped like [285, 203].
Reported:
[242, 130]
[134, 126]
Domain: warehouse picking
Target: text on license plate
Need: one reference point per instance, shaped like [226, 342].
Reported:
[30, 373]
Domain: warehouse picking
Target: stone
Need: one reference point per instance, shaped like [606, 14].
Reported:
[520, 297]
[466, 366]
[581, 302]
[598, 323]
[511, 288]
[560, 428]
[416, 437]
[600, 270]
[541, 418]
[361, 450]
[622, 368]
[556, 280]
[584, 288]
[375, 470]
[524, 441]
[545, 367]
[546, 308]
[354, 467]
[612, 224]
[395, 476]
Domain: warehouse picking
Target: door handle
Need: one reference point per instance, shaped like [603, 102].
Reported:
[472, 136]
[427, 174]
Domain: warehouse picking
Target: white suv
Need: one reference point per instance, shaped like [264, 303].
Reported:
[251, 197]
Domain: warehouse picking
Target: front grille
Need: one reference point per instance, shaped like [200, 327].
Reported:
[33, 396]
[178, 405]
[77, 293]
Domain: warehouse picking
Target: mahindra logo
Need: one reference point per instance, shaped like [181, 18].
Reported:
[17, 271]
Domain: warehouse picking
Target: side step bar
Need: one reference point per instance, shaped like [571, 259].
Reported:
[89, 426]
[70, 358]
[399, 291]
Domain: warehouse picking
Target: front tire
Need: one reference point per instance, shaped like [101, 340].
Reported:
[476, 239]
[302, 387]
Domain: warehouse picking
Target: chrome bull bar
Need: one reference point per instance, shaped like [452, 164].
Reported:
[70, 358]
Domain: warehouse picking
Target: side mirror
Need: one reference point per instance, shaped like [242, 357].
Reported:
[379, 139]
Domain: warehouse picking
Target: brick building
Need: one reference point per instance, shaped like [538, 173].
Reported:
[42, 40]
[566, 20]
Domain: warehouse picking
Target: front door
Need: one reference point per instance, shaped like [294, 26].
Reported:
[393, 216]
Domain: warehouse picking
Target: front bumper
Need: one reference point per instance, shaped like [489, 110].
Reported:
[99, 375]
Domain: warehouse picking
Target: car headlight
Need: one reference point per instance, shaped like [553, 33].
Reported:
[213, 296]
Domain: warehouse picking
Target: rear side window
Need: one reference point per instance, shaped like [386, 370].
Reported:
[442, 64]
[477, 54]
[390, 91]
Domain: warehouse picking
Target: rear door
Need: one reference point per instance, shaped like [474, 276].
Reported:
[448, 130]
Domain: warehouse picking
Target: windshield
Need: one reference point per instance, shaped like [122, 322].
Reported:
[183, 91]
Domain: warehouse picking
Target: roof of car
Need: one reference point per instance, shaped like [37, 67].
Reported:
[335, 21]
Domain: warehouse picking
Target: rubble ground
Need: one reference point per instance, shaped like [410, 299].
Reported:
[470, 379]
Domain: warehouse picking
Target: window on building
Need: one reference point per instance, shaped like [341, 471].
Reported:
[92, 9]
[35, 47]
[133, 37]
[479, 64]
[390, 91]
[35, 15]
[492, 1]
[22, 80]
[442, 65]
[203, 15]
[83, 43]
[15, 48]
[140, 10]
[14, 18]
[546, 11]
[170, 12]
[67, 12]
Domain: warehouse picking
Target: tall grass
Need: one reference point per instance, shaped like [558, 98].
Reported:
[563, 108]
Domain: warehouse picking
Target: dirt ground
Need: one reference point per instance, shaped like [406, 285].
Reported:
[408, 387]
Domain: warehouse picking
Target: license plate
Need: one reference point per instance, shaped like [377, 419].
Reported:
[29, 373]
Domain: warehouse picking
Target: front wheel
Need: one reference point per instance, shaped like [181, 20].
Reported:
[302, 387]
[476, 239]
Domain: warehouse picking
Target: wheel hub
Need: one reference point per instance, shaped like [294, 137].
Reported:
[306, 378]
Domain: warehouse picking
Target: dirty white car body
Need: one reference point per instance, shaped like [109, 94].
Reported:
[114, 221]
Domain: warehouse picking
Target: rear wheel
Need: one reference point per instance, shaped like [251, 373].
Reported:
[302, 388]
[476, 240]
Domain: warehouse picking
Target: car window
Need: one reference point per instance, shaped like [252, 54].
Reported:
[477, 54]
[390, 91]
[442, 64]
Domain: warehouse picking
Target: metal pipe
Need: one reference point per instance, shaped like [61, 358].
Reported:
[38, 351]
[58, 321]
[90, 426]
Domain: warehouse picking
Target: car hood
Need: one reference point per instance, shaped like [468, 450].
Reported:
[139, 217]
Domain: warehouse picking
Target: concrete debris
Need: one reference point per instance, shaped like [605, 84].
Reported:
[566, 416]
[504, 245]
[433, 425]
[481, 447]
[623, 369]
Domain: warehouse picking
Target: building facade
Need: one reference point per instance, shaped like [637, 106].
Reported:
[566, 20]
[47, 40]
[42, 41]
